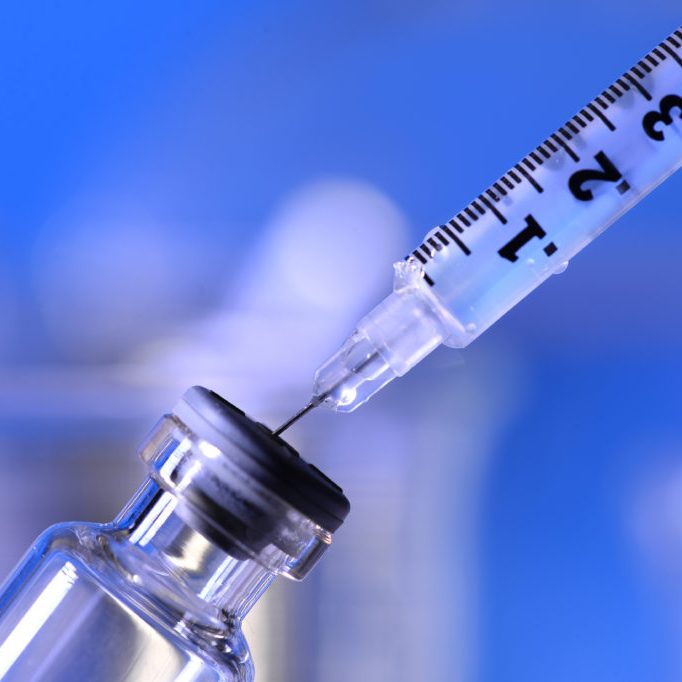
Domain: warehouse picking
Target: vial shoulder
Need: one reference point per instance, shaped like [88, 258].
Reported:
[66, 539]
[73, 564]
[73, 538]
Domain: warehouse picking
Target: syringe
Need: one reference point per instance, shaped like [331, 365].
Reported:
[470, 271]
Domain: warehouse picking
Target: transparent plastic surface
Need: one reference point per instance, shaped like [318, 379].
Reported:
[472, 270]
[394, 337]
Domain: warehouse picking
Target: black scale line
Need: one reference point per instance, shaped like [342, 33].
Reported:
[436, 246]
[443, 238]
[638, 86]
[638, 73]
[459, 228]
[672, 53]
[601, 116]
[583, 118]
[471, 214]
[463, 246]
[448, 231]
[478, 207]
[565, 147]
[495, 212]
[534, 183]
[465, 249]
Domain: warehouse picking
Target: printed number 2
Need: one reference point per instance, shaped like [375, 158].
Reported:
[510, 251]
[668, 103]
[608, 173]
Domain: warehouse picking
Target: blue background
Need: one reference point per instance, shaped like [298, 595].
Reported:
[146, 147]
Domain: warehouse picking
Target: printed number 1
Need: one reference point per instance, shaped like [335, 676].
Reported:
[510, 251]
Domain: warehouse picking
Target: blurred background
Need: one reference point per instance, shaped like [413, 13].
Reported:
[184, 189]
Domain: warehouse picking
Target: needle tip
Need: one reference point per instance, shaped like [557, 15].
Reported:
[312, 404]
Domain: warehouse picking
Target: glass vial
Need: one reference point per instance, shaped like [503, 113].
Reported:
[159, 594]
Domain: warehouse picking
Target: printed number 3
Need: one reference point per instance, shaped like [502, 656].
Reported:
[668, 103]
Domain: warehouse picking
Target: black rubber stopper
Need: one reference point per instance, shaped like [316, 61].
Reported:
[267, 458]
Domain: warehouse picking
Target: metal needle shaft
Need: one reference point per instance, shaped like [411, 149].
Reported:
[319, 399]
[312, 404]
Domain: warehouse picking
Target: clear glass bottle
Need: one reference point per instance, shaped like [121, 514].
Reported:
[160, 593]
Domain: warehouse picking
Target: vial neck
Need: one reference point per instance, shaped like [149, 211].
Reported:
[199, 571]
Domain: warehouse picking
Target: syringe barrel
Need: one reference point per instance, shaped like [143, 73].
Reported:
[532, 234]
[526, 226]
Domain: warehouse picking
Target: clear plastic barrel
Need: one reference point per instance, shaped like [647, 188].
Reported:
[470, 271]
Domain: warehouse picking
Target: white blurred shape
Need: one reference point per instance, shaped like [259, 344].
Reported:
[657, 530]
[322, 262]
[109, 277]
[658, 521]
[331, 244]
